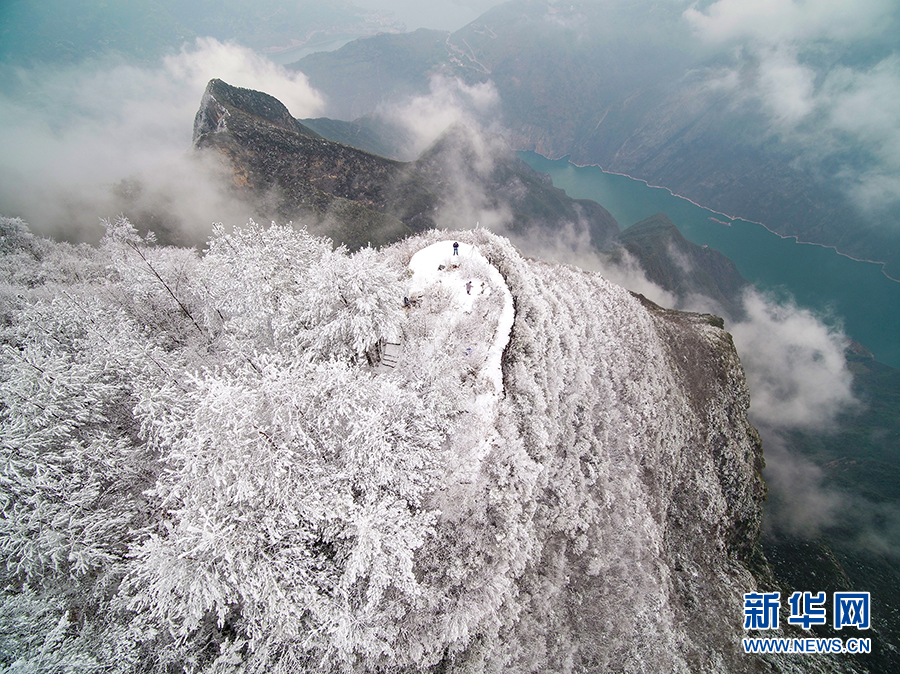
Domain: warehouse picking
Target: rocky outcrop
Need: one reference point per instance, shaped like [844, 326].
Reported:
[691, 272]
[357, 198]
[219, 98]
[289, 172]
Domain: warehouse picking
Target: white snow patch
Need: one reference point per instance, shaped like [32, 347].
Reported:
[437, 264]
[472, 292]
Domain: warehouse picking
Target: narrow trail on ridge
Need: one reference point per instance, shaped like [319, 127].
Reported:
[468, 310]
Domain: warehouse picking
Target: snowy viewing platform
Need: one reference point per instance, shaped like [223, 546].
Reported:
[461, 311]
[466, 277]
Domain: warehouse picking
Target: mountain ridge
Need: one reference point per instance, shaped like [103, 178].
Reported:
[286, 167]
[571, 84]
[283, 480]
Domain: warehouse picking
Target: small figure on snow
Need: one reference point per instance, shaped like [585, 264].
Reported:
[455, 248]
[468, 287]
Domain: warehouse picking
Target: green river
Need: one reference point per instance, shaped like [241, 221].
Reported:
[846, 292]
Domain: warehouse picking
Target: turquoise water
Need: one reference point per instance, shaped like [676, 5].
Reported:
[844, 291]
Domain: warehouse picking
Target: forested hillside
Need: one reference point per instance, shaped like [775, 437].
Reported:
[211, 465]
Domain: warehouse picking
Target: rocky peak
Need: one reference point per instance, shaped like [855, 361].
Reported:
[221, 99]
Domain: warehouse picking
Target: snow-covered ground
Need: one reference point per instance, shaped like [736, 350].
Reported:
[469, 311]
[436, 264]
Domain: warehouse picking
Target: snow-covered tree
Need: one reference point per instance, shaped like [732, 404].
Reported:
[283, 289]
[206, 469]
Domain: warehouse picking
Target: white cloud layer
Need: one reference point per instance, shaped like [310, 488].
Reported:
[449, 101]
[242, 67]
[76, 133]
[801, 504]
[865, 105]
[795, 365]
[777, 21]
[792, 57]
[786, 86]
[798, 377]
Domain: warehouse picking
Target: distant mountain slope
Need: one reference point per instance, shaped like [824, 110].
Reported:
[54, 31]
[355, 134]
[477, 173]
[684, 268]
[62, 31]
[377, 69]
[264, 24]
[624, 86]
[362, 198]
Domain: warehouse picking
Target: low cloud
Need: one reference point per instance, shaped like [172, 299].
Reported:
[242, 67]
[85, 142]
[795, 365]
[876, 526]
[799, 381]
[826, 74]
[679, 258]
[571, 244]
[803, 504]
[449, 101]
[785, 85]
[865, 105]
[778, 21]
[627, 272]
[800, 504]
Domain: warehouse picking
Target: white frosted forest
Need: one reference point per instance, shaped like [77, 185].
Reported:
[260, 458]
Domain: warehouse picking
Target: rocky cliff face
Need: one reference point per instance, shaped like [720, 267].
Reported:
[642, 508]
[650, 507]
[290, 172]
[219, 98]
[359, 198]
